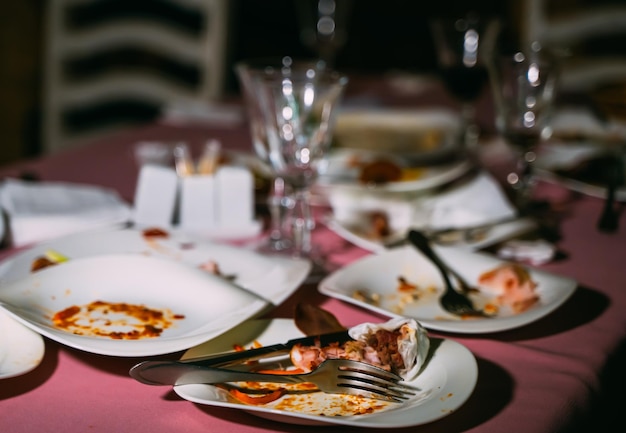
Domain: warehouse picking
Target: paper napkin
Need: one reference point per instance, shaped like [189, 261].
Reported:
[38, 211]
[480, 201]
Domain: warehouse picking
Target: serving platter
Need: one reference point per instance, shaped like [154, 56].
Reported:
[444, 384]
[372, 283]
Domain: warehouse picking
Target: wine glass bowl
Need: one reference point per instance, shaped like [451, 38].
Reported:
[524, 85]
[279, 197]
[462, 47]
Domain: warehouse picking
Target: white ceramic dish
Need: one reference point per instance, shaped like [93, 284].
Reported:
[356, 235]
[273, 278]
[342, 173]
[205, 305]
[378, 275]
[21, 349]
[416, 134]
[445, 384]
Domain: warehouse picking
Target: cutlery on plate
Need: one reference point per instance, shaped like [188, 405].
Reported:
[470, 234]
[229, 358]
[333, 376]
[451, 300]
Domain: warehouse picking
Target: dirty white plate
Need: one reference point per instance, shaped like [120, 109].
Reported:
[377, 276]
[341, 172]
[197, 304]
[416, 134]
[356, 234]
[446, 382]
[273, 278]
[21, 349]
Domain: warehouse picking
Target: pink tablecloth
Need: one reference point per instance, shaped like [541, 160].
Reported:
[541, 378]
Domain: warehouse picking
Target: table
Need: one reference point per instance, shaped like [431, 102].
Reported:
[558, 374]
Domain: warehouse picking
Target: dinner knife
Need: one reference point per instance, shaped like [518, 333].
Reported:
[272, 350]
[180, 373]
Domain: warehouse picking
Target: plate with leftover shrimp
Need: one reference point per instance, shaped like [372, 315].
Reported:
[442, 386]
[402, 282]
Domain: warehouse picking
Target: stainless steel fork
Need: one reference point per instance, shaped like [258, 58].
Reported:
[334, 376]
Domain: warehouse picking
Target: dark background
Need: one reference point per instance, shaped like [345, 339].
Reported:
[381, 36]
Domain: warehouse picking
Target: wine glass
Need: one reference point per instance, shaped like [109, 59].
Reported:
[298, 102]
[524, 85]
[462, 47]
[280, 199]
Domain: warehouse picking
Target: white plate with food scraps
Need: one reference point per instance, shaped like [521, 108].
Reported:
[373, 283]
[345, 167]
[128, 304]
[273, 278]
[21, 349]
[418, 134]
[444, 384]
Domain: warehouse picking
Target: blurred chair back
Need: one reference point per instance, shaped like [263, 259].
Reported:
[114, 63]
[570, 29]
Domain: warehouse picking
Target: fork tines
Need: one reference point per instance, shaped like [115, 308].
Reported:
[371, 381]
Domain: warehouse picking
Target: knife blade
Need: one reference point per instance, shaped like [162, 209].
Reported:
[180, 373]
[228, 358]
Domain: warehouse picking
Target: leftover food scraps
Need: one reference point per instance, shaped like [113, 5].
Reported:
[512, 286]
[120, 321]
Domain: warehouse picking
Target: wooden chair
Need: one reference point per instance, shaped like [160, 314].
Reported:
[571, 25]
[111, 63]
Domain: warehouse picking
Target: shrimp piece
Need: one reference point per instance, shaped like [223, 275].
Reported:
[512, 286]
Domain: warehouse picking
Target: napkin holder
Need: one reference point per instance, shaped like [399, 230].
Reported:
[218, 205]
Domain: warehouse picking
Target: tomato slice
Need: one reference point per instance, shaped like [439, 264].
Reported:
[261, 399]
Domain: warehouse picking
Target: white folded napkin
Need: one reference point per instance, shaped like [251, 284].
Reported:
[39, 211]
[480, 201]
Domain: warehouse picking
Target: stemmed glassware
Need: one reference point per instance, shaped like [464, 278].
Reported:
[462, 47]
[297, 102]
[524, 86]
[279, 199]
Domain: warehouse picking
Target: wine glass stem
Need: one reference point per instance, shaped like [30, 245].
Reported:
[302, 223]
[279, 206]
[523, 179]
[469, 128]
